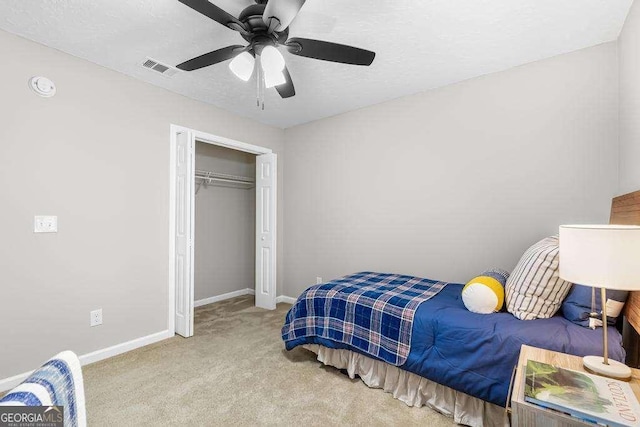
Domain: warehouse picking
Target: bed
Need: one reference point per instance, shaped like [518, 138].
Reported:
[461, 363]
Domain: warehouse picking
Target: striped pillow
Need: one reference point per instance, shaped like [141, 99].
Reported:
[534, 290]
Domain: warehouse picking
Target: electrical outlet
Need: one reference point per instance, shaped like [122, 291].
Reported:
[318, 280]
[96, 317]
[45, 224]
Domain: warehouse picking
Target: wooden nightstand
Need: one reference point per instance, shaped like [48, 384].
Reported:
[524, 414]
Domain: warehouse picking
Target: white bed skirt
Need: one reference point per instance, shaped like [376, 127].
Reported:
[413, 389]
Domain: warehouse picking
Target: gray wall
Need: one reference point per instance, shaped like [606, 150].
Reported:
[96, 155]
[629, 54]
[225, 243]
[449, 182]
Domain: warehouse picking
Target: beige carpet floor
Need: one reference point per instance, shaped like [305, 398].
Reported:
[235, 371]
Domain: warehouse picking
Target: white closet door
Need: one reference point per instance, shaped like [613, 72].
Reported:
[266, 172]
[184, 234]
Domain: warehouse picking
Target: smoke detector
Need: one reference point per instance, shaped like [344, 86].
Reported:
[42, 86]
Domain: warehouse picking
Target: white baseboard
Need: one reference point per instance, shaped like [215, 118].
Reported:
[95, 356]
[241, 292]
[228, 295]
[11, 382]
[285, 299]
[124, 347]
[105, 353]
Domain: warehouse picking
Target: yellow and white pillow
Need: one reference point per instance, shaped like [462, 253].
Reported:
[484, 294]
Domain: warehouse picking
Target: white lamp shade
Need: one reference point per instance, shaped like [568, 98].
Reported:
[606, 256]
[274, 78]
[271, 59]
[242, 66]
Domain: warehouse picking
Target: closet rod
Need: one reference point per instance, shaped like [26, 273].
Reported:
[214, 175]
[235, 181]
[215, 178]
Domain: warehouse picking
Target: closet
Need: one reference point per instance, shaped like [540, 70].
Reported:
[225, 222]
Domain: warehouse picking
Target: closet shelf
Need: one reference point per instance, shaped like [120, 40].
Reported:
[207, 178]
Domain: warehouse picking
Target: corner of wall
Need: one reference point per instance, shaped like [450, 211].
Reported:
[618, 141]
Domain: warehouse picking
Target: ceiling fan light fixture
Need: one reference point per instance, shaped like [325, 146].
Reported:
[274, 78]
[271, 59]
[242, 66]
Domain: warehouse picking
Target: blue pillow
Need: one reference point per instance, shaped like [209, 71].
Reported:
[577, 306]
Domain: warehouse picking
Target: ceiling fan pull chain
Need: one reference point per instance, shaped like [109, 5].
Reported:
[261, 91]
[261, 82]
[260, 88]
[258, 79]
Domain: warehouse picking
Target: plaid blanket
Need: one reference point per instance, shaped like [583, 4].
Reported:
[372, 312]
[56, 383]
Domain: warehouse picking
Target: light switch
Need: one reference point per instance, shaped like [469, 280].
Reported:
[45, 224]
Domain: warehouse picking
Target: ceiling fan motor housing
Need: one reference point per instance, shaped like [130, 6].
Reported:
[257, 29]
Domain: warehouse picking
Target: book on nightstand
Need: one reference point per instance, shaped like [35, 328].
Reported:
[592, 398]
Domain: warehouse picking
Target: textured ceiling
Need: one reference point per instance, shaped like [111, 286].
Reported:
[420, 44]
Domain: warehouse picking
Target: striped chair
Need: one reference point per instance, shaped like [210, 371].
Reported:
[57, 383]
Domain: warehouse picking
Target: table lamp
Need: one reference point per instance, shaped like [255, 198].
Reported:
[604, 256]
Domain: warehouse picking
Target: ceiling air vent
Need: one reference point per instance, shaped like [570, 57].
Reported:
[158, 66]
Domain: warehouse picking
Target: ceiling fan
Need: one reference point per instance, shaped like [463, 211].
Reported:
[265, 25]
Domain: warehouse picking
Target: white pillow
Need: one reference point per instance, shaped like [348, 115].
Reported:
[534, 289]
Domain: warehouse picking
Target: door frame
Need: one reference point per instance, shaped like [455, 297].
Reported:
[199, 136]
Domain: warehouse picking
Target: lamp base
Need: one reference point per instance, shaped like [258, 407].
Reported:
[614, 369]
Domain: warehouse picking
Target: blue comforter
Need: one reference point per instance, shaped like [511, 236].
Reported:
[476, 353]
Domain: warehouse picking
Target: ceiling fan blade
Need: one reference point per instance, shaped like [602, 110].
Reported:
[214, 12]
[286, 90]
[280, 13]
[210, 58]
[328, 51]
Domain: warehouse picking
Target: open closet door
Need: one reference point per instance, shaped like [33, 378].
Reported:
[266, 172]
[185, 148]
